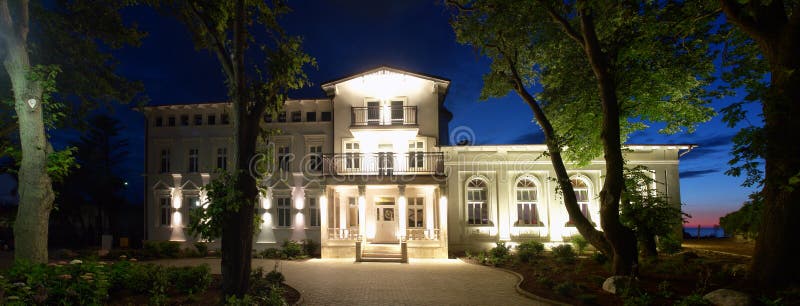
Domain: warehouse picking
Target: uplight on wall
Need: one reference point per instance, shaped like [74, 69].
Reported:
[177, 219]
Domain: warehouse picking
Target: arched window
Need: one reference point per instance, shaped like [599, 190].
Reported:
[582, 195]
[477, 208]
[527, 202]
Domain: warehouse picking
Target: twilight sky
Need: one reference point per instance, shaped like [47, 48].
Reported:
[347, 37]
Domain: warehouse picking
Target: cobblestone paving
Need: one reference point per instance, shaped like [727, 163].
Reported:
[421, 282]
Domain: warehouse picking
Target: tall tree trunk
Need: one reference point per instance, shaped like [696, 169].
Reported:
[237, 232]
[35, 188]
[621, 238]
[584, 226]
[775, 258]
[778, 37]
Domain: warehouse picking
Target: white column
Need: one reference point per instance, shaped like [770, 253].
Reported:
[362, 211]
[323, 215]
[402, 224]
[443, 217]
[429, 202]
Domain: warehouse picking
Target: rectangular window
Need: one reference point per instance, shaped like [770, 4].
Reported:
[311, 116]
[184, 120]
[191, 203]
[284, 157]
[416, 212]
[268, 118]
[225, 119]
[171, 121]
[159, 121]
[313, 212]
[373, 112]
[416, 155]
[297, 116]
[212, 119]
[396, 112]
[198, 119]
[284, 205]
[325, 116]
[315, 158]
[526, 207]
[352, 156]
[352, 212]
[222, 158]
[477, 211]
[164, 160]
[282, 117]
[193, 160]
[165, 211]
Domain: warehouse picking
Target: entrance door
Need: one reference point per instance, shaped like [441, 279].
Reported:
[386, 220]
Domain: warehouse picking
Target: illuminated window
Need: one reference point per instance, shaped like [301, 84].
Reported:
[165, 211]
[477, 208]
[313, 211]
[527, 200]
[193, 160]
[582, 195]
[416, 155]
[284, 206]
[352, 156]
[352, 212]
[416, 212]
[164, 160]
[222, 158]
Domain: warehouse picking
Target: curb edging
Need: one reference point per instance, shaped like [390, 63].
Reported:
[517, 287]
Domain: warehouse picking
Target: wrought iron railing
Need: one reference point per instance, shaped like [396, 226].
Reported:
[385, 163]
[383, 115]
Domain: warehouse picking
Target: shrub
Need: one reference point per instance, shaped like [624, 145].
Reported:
[529, 250]
[76, 283]
[669, 245]
[599, 258]
[292, 249]
[564, 288]
[545, 281]
[310, 247]
[171, 249]
[190, 280]
[152, 249]
[579, 242]
[202, 248]
[271, 253]
[501, 250]
[564, 253]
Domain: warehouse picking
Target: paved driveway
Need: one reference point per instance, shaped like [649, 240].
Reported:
[421, 282]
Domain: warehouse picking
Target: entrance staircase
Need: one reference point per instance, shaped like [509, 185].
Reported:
[382, 253]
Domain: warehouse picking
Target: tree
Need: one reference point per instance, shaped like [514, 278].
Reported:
[647, 211]
[614, 64]
[747, 220]
[774, 28]
[230, 29]
[51, 57]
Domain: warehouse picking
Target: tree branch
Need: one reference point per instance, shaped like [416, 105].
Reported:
[6, 24]
[217, 44]
[459, 6]
[564, 23]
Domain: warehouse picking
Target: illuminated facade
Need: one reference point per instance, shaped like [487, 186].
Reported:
[367, 173]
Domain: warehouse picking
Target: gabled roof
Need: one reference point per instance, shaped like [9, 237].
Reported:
[326, 85]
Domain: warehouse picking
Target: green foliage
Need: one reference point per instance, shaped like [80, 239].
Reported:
[224, 199]
[746, 220]
[59, 164]
[310, 247]
[76, 283]
[599, 258]
[655, 82]
[266, 287]
[564, 253]
[644, 209]
[202, 248]
[564, 288]
[529, 250]
[271, 253]
[292, 249]
[694, 299]
[669, 244]
[579, 242]
[500, 250]
[162, 249]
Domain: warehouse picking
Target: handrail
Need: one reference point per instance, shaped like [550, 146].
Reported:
[383, 163]
[383, 115]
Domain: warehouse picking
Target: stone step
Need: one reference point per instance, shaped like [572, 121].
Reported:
[381, 259]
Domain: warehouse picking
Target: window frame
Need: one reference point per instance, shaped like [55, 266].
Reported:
[312, 207]
[194, 160]
[418, 204]
[165, 155]
[283, 204]
[584, 205]
[222, 158]
[164, 220]
[483, 204]
[533, 202]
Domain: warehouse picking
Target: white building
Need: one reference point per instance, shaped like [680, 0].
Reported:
[366, 173]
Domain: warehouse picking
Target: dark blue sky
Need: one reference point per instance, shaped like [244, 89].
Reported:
[347, 37]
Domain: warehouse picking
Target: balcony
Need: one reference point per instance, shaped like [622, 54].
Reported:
[383, 164]
[383, 116]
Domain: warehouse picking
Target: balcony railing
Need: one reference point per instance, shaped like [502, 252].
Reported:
[385, 163]
[336, 233]
[422, 234]
[383, 115]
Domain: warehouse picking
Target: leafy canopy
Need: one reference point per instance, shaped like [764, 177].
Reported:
[657, 50]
